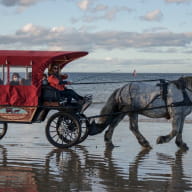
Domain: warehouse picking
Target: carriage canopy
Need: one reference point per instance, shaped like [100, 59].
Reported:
[30, 65]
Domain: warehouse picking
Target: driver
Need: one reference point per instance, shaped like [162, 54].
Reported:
[57, 81]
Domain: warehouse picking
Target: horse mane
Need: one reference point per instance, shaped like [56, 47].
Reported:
[183, 82]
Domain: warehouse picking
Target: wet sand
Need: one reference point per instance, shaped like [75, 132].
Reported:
[28, 162]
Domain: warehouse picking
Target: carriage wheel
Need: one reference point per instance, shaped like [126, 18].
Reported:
[63, 130]
[3, 129]
[84, 128]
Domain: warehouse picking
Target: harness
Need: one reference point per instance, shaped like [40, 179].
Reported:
[163, 89]
[180, 85]
[163, 93]
[186, 100]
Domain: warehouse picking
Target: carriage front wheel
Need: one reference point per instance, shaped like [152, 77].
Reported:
[63, 130]
[3, 129]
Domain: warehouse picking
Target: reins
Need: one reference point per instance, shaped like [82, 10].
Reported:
[108, 82]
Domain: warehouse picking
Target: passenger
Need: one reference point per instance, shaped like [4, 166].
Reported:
[29, 78]
[56, 80]
[15, 79]
[1, 82]
[22, 81]
[44, 80]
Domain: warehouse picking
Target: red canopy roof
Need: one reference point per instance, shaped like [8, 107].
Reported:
[38, 59]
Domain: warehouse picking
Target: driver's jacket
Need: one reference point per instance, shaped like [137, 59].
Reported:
[56, 82]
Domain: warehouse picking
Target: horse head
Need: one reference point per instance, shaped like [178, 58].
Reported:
[184, 82]
[188, 82]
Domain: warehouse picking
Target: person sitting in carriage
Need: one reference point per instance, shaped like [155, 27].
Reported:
[59, 82]
[15, 79]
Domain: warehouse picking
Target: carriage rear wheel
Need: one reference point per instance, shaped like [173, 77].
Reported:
[63, 130]
[3, 129]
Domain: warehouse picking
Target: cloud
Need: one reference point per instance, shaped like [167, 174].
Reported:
[83, 5]
[154, 15]
[24, 3]
[32, 36]
[31, 30]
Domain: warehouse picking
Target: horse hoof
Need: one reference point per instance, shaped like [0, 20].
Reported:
[146, 148]
[145, 144]
[160, 140]
[109, 145]
[184, 147]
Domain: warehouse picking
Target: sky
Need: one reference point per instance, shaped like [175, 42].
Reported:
[120, 35]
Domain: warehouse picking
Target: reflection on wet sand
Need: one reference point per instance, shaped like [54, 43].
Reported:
[15, 178]
[78, 170]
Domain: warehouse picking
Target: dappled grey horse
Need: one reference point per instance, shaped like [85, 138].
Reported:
[168, 99]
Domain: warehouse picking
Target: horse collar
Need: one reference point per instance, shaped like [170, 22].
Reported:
[163, 89]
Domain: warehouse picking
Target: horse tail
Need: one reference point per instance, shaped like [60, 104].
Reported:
[110, 107]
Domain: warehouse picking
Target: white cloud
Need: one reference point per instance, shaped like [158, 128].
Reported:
[58, 29]
[108, 59]
[154, 15]
[30, 29]
[83, 4]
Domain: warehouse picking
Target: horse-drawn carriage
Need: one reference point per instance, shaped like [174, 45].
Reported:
[30, 101]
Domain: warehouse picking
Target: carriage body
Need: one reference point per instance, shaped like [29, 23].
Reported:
[30, 101]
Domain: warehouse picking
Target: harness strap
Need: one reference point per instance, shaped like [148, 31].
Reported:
[186, 100]
[164, 91]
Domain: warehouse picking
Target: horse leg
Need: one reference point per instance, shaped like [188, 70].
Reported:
[176, 123]
[177, 128]
[109, 132]
[179, 141]
[133, 124]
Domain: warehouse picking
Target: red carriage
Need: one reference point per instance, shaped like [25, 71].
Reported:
[30, 101]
